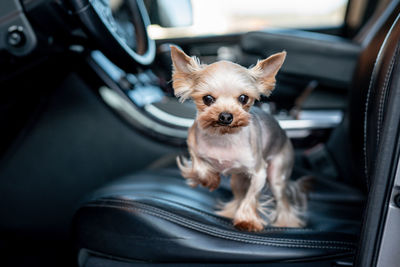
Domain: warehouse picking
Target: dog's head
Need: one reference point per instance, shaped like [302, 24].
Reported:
[223, 91]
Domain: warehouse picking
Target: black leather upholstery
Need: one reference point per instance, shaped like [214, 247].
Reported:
[381, 148]
[155, 216]
[378, 93]
[308, 51]
[370, 39]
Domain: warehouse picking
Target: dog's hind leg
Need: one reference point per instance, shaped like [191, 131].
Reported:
[285, 191]
[239, 185]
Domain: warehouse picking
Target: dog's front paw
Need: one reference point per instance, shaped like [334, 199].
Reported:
[250, 225]
[208, 178]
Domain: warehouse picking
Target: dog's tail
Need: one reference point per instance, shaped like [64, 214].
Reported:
[298, 192]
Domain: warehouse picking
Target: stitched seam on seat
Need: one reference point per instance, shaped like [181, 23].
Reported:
[250, 236]
[266, 229]
[371, 82]
[146, 206]
[199, 211]
[367, 104]
[212, 232]
[382, 97]
[167, 214]
[163, 199]
[217, 233]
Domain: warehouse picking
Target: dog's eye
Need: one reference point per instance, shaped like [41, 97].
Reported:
[208, 100]
[243, 99]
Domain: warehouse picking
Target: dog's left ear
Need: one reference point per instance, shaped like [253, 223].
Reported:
[266, 70]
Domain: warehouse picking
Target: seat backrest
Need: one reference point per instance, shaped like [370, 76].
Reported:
[381, 148]
[370, 38]
[383, 79]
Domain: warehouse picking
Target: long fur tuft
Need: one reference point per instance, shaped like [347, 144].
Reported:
[297, 192]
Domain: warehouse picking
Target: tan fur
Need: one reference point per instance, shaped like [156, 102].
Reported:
[197, 172]
[265, 71]
[208, 120]
[239, 186]
[252, 148]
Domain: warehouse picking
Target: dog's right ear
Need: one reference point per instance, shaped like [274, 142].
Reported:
[184, 70]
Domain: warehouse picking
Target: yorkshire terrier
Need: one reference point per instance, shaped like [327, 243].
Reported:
[230, 137]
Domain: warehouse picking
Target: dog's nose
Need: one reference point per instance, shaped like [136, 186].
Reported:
[225, 118]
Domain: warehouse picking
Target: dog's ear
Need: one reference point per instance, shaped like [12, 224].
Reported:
[265, 71]
[184, 71]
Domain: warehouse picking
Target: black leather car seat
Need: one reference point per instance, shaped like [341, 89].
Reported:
[154, 216]
[380, 155]
[370, 38]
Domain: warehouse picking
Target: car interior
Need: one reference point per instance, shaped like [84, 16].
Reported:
[91, 130]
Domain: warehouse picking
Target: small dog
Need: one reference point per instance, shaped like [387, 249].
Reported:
[230, 138]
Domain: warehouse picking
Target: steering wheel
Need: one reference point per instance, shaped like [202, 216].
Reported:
[119, 28]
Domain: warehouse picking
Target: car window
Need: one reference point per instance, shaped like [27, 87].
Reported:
[215, 17]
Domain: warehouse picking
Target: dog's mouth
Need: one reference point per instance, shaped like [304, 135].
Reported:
[221, 128]
[213, 125]
[219, 124]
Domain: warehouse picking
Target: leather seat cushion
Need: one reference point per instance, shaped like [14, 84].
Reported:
[155, 216]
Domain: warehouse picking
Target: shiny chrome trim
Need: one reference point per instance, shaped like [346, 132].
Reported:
[309, 124]
[167, 117]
